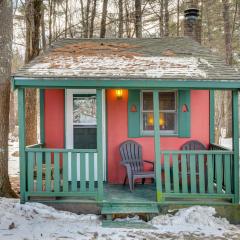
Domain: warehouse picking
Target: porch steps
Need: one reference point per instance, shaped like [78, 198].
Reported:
[129, 208]
[127, 224]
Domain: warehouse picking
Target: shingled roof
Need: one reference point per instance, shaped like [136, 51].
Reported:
[163, 58]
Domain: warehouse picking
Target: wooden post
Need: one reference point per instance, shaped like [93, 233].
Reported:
[158, 170]
[212, 116]
[235, 143]
[22, 142]
[41, 102]
[99, 144]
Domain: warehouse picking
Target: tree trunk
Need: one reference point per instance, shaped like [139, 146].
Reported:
[87, 20]
[50, 3]
[103, 21]
[33, 23]
[6, 31]
[120, 18]
[227, 32]
[161, 19]
[166, 18]
[178, 16]
[93, 15]
[138, 18]
[229, 58]
[127, 21]
[66, 18]
[44, 45]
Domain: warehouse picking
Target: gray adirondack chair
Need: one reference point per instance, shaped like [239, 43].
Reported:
[192, 145]
[131, 154]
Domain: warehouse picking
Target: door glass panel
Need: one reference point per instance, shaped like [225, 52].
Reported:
[84, 121]
[84, 109]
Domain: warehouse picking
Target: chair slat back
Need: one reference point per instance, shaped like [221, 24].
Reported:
[192, 145]
[131, 152]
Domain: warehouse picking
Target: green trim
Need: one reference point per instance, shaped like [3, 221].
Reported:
[22, 142]
[198, 195]
[184, 118]
[235, 144]
[158, 169]
[41, 103]
[60, 150]
[212, 116]
[99, 144]
[133, 117]
[122, 83]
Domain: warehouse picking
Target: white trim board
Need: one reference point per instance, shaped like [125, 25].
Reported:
[69, 130]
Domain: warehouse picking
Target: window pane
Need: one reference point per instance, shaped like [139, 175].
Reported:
[148, 121]
[84, 109]
[147, 101]
[167, 100]
[167, 121]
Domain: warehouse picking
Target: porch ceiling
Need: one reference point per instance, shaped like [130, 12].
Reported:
[143, 62]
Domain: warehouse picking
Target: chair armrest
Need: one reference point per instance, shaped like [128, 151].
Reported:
[150, 162]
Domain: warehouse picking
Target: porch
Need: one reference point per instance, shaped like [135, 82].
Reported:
[193, 177]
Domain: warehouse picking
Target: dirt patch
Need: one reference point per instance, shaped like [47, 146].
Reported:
[15, 183]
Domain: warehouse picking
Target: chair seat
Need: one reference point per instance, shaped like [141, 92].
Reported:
[146, 174]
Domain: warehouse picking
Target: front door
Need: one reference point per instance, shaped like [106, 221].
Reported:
[81, 122]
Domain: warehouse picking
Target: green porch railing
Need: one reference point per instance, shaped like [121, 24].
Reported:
[197, 174]
[61, 172]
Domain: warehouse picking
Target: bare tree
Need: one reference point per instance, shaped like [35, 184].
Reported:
[166, 18]
[6, 31]
[138, 18]
[120, 18]
[33, 22]
[227, 31]
[93, 15]
[103, 21]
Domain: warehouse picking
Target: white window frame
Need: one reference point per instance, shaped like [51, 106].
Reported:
[162, 132]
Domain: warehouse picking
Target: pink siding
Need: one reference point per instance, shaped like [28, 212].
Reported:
[117, 130]
[54, 118]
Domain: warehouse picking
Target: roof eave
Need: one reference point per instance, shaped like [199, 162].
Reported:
[140, 83]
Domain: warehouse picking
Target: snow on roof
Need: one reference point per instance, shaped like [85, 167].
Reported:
[173, 58]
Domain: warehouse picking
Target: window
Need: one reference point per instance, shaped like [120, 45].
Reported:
[167, 112]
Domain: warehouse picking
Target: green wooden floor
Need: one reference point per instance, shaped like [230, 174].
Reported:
[118, 193]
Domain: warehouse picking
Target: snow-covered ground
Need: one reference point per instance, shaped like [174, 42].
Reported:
[37, 221]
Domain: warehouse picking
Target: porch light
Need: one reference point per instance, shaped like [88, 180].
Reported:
[119, 93]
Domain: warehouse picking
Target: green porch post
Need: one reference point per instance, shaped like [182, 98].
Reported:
[99, 144]
[22, 142]
[212, 116]
[235, 143]
[41, 102]
[158, 170]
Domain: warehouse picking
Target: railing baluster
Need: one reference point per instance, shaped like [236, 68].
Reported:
[56, 173]
[227, 173]
[210, 171]
[218, 162]
[39, 171]
[193, 172]
[201, 171]
[184, 173]
[175, 173]
[74, 172]
[82, 172]
[48, 173]
[30, 171]
[167, 173]
[91, 171]
[65, 172]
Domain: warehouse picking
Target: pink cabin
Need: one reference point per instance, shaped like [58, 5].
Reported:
[156, 94]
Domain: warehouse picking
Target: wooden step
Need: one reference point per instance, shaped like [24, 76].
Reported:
[126, 224]
[130, 208]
